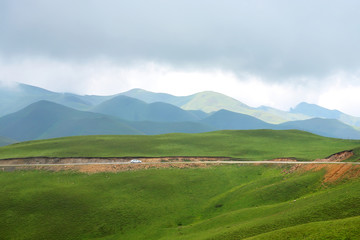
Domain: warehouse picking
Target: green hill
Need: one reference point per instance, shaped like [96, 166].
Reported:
[152, 128]
[220, 202]
[247, 144]
[132, 109]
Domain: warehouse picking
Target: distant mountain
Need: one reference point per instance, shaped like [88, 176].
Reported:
[45, 119]
[212, 101]
[207, 102]
[323, 127]
[314, 110]
[14, 98]
[133, 109]
[224, 120]
[6, 141]
[289, 116]
[151, 97]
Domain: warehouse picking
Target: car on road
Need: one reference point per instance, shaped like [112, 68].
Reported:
[135, 161]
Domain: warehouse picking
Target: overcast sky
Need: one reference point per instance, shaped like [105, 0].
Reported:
[262, 52]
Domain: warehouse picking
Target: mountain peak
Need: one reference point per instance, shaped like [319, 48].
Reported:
[314, 110]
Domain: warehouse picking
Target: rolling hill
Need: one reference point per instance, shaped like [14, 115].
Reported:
[219, 202]
[133, 109]
[243, 144]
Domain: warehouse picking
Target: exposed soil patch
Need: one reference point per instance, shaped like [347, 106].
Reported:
[338, 157]
[114, 167]
[284, 160]
[334, 172]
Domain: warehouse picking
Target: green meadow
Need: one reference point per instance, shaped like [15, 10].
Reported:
[244, 145]
[219, 202]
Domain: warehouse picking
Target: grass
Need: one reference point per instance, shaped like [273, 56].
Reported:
[246, 145]
[219, 202]
[347, 228]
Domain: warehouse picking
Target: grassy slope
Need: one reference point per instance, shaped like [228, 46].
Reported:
[249, 144]
[223, 202]
[347, 228]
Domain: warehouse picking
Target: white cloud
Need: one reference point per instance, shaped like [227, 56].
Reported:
[342, 92]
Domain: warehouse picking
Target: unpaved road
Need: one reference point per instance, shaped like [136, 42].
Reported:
[174, 162]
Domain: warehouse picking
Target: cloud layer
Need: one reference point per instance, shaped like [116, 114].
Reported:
[263, 52]
[276, 39]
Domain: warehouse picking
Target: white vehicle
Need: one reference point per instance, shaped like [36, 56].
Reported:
[135, 161]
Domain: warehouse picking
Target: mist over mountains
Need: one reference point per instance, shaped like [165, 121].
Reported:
[28, 113]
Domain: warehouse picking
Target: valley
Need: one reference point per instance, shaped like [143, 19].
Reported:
[66, 169]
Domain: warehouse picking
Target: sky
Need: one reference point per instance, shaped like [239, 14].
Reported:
[276, 53]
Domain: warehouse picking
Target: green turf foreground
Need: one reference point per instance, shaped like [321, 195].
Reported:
[219, 202]
[247, 145]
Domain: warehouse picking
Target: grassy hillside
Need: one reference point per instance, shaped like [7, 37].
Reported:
[248, 144]
[223, 202]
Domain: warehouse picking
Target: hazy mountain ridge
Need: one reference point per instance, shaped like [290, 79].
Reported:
[133, 109]
[211, 101]
[122, 114]
[314, 110]
[224, 119]
[46, 119]
[13, 99]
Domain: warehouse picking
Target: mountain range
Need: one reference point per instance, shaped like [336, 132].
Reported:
[30, 112]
